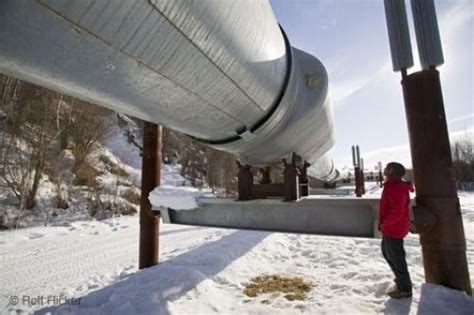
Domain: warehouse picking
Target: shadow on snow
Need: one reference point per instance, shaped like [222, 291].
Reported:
[149, 290]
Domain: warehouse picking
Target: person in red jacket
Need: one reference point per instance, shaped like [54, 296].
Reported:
[394, 223]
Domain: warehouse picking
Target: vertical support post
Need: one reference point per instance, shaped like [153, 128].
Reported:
[304, 180]
[358, 156]
[244, 182]
[362, 176]
[291, 180]
[354, 162]
[357, 177]
[358, 182]
[380, 174]
[151, 177]
[443, 245]
[266, 179]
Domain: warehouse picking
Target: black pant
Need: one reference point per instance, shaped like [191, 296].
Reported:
[394, 254]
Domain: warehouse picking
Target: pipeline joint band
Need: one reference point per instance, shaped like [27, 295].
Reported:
[269, 114]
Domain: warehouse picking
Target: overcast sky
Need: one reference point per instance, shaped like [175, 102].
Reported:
[350, 38]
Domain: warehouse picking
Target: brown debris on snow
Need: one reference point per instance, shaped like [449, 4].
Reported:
[294, 288]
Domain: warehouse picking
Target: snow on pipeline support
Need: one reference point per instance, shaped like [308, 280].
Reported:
[221, 71]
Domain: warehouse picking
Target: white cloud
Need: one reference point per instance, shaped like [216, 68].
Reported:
[342, 89]
[461, 118]
[449, 23]
[459, 13]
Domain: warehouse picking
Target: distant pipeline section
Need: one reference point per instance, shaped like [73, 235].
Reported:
[220, 71]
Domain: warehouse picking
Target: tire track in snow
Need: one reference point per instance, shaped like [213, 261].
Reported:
[87, 256]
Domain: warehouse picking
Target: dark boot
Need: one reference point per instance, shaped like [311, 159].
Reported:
[399, 294]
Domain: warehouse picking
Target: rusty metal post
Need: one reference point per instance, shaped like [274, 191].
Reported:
[354, 158]
[379, 164]
[444, 244]
[304, 179]
[266, 179]
[151, 177]
[356, 164]
[362, 176]
[358, 182]
[244, 182]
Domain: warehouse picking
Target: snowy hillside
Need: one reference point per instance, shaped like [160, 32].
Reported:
[107, 184]
[205, 270]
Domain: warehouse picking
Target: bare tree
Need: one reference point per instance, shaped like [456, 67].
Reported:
[36, 125]
[26, 135]
[90, 126]
[200, 164]
[463, 162]
[221, 172]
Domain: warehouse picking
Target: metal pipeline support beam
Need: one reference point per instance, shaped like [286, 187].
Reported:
[151, 178]
[339, 217]
[437, 213]
[221, 71]
[443, 243]
[358, 181]
[358, 171]
[362, 175]
[379, 166]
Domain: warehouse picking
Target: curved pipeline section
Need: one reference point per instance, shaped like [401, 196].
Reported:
[220, 71]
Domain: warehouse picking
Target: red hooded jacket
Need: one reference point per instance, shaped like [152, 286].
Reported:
[394, 215]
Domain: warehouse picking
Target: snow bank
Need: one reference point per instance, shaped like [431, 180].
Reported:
[436, 299]
[175, 197]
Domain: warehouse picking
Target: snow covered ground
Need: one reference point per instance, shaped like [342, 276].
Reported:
[204, 270]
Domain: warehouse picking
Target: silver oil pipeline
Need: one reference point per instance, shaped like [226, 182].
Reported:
[324, 170]
[220, 71]
[302, 123]
[205, 68]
